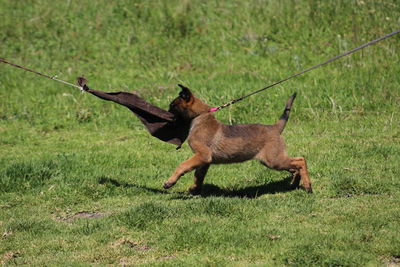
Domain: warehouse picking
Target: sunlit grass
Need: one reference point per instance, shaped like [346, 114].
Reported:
[81, 180]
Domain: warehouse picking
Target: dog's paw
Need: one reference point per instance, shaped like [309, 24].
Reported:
[194, 190]
[168, 185]
[309, 190]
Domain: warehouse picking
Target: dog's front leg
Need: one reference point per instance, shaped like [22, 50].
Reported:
[199, 175]
[186, 166]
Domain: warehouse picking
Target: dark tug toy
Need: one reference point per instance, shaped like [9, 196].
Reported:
[160, 123]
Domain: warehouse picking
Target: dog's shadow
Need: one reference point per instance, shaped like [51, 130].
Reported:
[210, 190]
[113, 182]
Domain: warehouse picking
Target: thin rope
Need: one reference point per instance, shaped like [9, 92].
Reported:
[307, 70]
[41, 74]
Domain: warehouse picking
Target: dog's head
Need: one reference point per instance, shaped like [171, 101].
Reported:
[186, 105]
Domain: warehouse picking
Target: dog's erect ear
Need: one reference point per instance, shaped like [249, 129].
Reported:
[185, 94]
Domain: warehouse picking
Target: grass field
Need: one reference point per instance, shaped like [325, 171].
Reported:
[81, 180]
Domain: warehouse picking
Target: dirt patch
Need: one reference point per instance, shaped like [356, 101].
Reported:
[88, 215]
[6, 234]
[9, 256]
[394, 262]
[167, 257]
[82, 215]
[130, 244]
[274, 237]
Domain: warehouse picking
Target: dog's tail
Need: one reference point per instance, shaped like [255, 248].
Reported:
[285, 116]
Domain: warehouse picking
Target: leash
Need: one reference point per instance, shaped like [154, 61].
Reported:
[54, 78]
[304, 71]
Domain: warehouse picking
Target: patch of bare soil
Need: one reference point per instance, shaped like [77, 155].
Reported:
[394, 262]
[130, 244]
[82, 214]
[9, 256]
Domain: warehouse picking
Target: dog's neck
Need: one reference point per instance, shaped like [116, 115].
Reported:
[197, 108]
[206, 118]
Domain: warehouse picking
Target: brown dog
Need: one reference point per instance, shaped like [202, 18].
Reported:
[214, 142]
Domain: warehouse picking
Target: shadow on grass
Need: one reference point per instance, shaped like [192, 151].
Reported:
[210, 190]
[106, 180]
[250, 191]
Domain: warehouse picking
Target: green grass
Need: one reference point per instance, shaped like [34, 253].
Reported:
[65, 156]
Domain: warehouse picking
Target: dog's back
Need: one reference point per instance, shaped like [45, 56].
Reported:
[240, 142]
[231, 143]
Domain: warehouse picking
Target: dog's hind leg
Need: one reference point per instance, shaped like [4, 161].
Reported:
[188, 165]
[199, 175]
[296, 165]
[301, 170]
